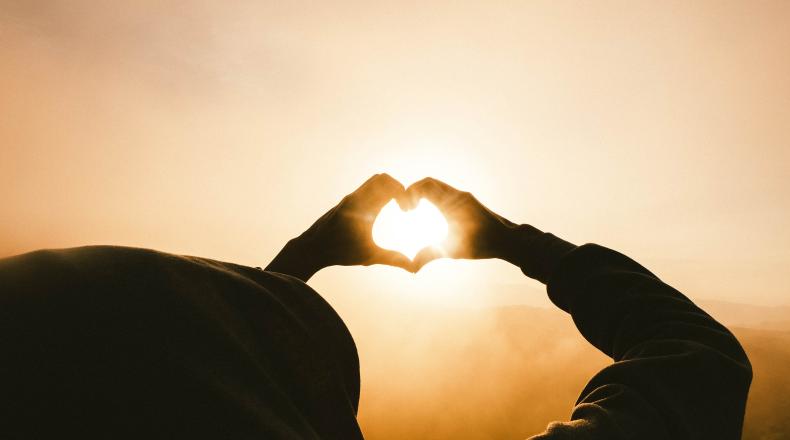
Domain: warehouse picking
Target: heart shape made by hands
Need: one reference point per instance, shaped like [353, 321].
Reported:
[409, 231]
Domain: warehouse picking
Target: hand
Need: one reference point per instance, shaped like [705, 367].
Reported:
[344, 235]
[475, 232]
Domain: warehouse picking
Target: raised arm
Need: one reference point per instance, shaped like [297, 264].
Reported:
[677, 373]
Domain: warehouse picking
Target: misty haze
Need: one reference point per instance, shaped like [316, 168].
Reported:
[659, 129]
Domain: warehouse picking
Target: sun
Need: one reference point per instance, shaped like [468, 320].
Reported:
[408, 232]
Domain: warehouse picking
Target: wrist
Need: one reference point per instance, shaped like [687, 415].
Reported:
[513, 240]
[535, 252]
[297, 258]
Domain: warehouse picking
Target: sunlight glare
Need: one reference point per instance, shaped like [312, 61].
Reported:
[408, 232]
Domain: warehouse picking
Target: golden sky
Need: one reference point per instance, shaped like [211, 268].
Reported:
[222, 129]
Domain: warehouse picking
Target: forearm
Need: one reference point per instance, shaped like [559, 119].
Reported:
[609, 295]
[618, 304]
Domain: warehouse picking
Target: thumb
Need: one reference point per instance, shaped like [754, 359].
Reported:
[393, 258]
[426, 255]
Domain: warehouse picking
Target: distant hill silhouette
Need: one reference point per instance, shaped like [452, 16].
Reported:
[769, 398]
[748, 315]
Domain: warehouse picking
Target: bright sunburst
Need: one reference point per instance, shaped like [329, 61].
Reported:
[408, 232]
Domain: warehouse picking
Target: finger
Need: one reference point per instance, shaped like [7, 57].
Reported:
[404, 202]
[380, 189]
[425, 256]
[434, 181]
[436, 191]
[393, 258]
[368, 182]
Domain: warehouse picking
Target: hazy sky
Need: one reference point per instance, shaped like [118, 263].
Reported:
[222, 129]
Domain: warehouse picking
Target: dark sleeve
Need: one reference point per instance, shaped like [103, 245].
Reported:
[108, 342]
[677, 373]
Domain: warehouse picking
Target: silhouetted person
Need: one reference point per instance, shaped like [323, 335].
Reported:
[111, 342]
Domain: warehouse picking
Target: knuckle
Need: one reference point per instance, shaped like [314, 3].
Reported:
[348, 200]
[424, 180]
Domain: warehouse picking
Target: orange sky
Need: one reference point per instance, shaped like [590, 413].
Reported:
[660, 129]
